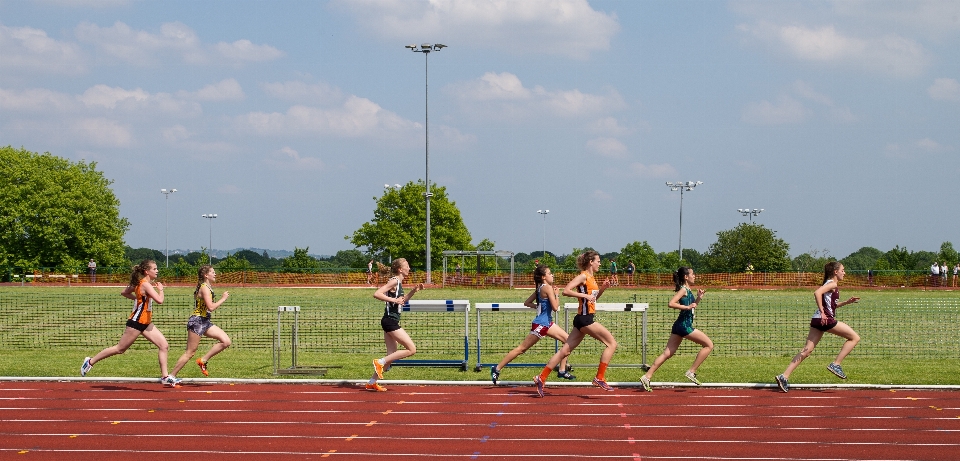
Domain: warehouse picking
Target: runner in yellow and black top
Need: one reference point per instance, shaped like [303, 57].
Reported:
[139, 322]
[201, 324]
[684, 301]
[584, 287]
[391, 293]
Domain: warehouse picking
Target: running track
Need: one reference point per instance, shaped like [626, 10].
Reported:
[104, 421]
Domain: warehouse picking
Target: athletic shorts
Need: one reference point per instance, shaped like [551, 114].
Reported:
[540, 330]
[389, 324]
[199, 325]
[815, 323]
[680, 329]
[582, 320]
[137, 325]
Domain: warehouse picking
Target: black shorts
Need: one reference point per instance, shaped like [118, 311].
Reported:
[815, 323]
[389, 324]
[582, 320]
[137, 325]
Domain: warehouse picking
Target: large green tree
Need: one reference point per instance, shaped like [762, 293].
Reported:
[398, 227]
[642, 255]
[54, 212]
[748, 243]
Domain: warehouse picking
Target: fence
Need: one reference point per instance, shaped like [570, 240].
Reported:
[894, 325]
[358, 277]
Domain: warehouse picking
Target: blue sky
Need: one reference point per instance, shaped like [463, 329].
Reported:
[840, 119]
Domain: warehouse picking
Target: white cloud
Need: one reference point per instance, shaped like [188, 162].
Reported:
[245, 50]
[37, 100]
[137, 101]
[607, 147]
[608, 126]
[30, 50]
[356, 117]
[835, 113]
[929, 145]
[144, 48]
[225, 90]
[640, 170]
[825, 45]
[558, 27]
[86, 3]
[786, 110]
[289, 159]
[504, 95]
[105, 96]
[601, 195]
[102, 132]
[915, 150]
[945, 89]
[176, 133]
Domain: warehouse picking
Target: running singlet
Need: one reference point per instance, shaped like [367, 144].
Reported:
[589, 286]
[201, 306]
[830, 299]
[393, 309]
[685, 319]
[544, 311]
[142, 305]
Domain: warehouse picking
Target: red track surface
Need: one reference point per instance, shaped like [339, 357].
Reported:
[123, 421]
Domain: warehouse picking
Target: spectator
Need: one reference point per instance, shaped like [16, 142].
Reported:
[943, 273]
[631, 268]
[613, 272]
[934, 274]
[956, 271]
[92, 271]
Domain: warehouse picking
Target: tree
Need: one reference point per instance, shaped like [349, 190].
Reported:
[300, 260]
[57, 213]
[398, 227]
[811, 261]
[350, 258]
[948, 254]
[863, 259]
[642, 255]
[748, 243]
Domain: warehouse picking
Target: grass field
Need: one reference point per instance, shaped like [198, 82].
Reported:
[908, 335]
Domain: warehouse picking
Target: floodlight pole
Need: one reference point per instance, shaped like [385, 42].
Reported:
[544, 213]
[682, 186]
[166, 244]
[749, 212]
[426, 48]
[210, 217]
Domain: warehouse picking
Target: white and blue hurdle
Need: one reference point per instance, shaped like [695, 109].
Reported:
[502, 307]
[640, 308]
[441, 306]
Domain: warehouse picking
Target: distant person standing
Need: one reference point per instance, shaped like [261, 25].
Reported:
[459, 272]
[943, 273]
[615, 279]
[956, 272]
[631, 268]
[92, 271]
[934, 274]
[370, 272]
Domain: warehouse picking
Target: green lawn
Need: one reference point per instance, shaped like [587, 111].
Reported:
[908, 335]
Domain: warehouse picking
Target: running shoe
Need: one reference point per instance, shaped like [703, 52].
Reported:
[177, 381]
[565, 374]
[169, 381]
[378, 368]
[203, 366]
[375, 387]
[645, 382]
[835, 369]
[86, 367]
[783, 383]
[602, 384]
[692, 377]
[494, 374]
[539, 383]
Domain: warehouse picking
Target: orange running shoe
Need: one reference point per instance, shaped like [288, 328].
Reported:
[203, 366]
[375, 387]
[378, 368]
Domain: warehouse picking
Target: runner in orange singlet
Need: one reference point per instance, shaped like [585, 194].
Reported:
[584, 287]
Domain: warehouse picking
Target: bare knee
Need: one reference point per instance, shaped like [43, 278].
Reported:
[226, 342]
[412, 349]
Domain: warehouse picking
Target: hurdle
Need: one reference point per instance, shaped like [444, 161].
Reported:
[503, 307]
[618, 307]
[294, 368]
[447, 305]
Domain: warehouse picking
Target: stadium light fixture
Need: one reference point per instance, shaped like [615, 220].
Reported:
[682, 186]
[749, 212]
[166, 237]
[210, 217]
[544, 213]
[426, 48]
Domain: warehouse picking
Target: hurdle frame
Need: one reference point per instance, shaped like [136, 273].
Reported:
[497, 307]
[441, 305]
[618, 307]
[294, 368]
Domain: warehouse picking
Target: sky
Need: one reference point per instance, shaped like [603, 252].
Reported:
[841, 120]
